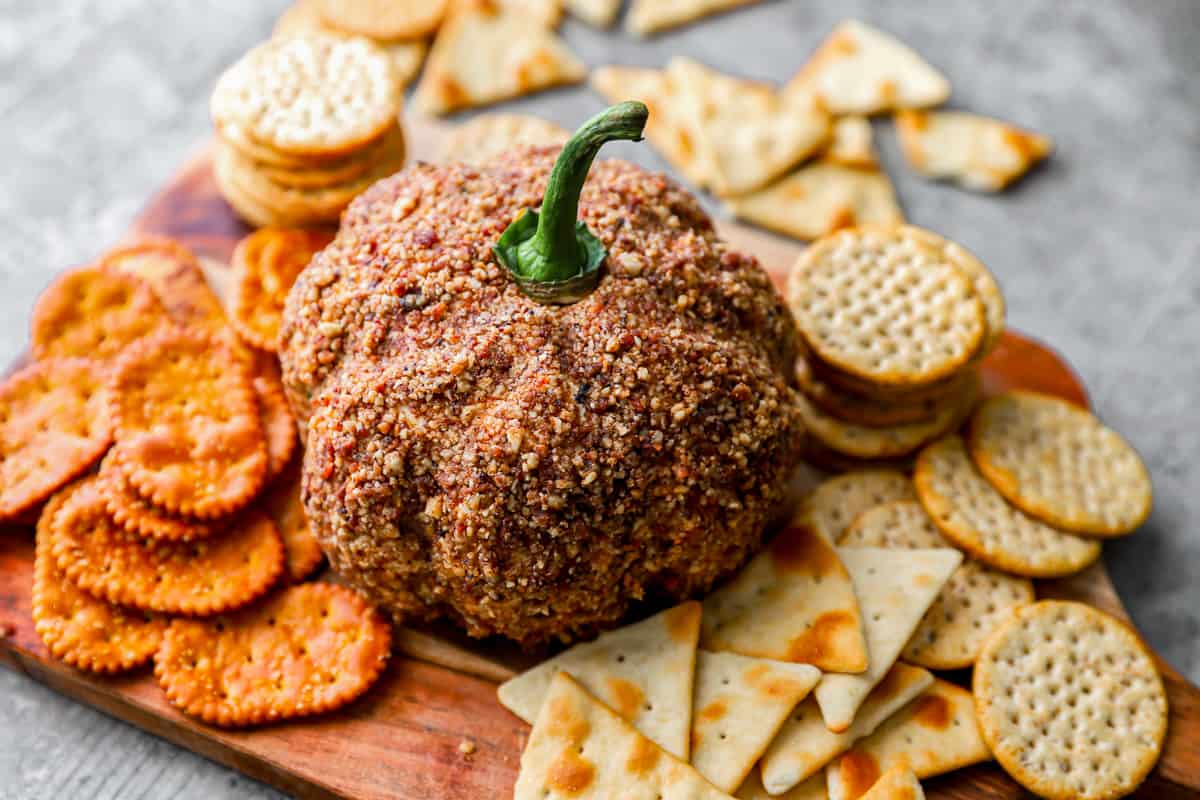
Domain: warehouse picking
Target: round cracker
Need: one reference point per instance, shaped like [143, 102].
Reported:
[230, 569]
[836, 502]
[384, 19]
[77, 628]
[189, 436]
[863, 410]
[479, 141]
[1070, 703]
[283, 504]
[1059, 463]
[265, 265]
[391, 149]
[310, 95]
[54, 424]
[278, 425]
[93, 312]
[978, 519]
[970, 606]
[141, 518]
[304, 17]
[887, 309]
[309, 649]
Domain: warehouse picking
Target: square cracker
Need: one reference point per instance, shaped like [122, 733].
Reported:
[977, 152]
[642, 671]
[895, 588]
[739, 704]
[580, 748]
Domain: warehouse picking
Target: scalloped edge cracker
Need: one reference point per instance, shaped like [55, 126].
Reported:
[976, 152]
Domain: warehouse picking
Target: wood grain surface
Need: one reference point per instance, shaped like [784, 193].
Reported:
[402, 739]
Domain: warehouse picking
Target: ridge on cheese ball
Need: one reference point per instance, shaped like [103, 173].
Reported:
[531, 470]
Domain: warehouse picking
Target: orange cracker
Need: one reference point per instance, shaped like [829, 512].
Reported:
[277, 423]
[54, 424]
[309, 649]
[174, 273]
[139, 516]
[284, 506]
[189, 436]
[77, 628]
[265, 265]
[209, 576]
[93, 312]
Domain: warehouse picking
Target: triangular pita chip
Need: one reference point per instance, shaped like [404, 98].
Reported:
[862, 70]
[667, 129]
[898, 783]
[820, 198]
[804, 745]
[852, 143]
[977, 152]
[486, 52]
[739, 704]
[752, 132]
[793, 602]
[642, 671]
[580, 749]
[895, 588]
[598, 13]
[811, 789]
[934, 734]
[651, 16]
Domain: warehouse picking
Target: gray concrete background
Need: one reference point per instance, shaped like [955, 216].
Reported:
[1098, 252]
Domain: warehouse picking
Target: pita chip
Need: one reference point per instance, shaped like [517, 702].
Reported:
[580, 748]
[895, 588]
[977, 152]
[597, 13]
[811, 789]
[739, 704]
[486, 52]
[793, 602]
[898, 783]
[652, 16]
[642, 671]
[820, 198]
[862, 70]
[934, 734]
[804, 745]
[851, 143]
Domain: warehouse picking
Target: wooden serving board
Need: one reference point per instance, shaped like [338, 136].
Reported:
[402, 739]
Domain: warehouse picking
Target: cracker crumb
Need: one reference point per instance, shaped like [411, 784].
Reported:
[466, 747]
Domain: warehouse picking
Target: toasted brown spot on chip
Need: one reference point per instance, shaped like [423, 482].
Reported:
[821, 640]
[643, 758]
[565, 723]
[933, 711]
[683, 621]
[570, 774]
[627, 697]
[859, 771]
[714, 710]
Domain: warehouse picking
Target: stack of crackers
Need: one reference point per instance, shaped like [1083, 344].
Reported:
[157, 454]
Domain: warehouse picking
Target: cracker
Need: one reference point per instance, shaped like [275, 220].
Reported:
[1070, 702]
[851, 143]
[580, 748]
[597, 13]
[485, 137]
[310, 95]
[332, 175]
[898, 783]
[93, 312]
[1059, 463]
[819, 199]
[739, 704]
[811, 789]
[54, 424]
[751, 133]
[141, 518]
[835, 503]
[384, 19]
[832, 461]
[793, 602]
[302, 550]
[862, 70]
[652, 16]
[279, 428]
[976, 517]
[862, 441]
[804, 745]
[309, 649]
[977, 152]
[265, 265]
[77, 628]
[642, 671]
[486, 52]
[862, 410]
[895, 589]
[885, 308]
[174, 273]
[189, 436]
[232, 568]
[973, 603]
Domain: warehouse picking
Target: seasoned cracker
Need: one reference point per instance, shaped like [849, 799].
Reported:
[384, 19]
[863, 410]
[652, 16]
[1070, 702]
[885, 308]
[174, 274]
[282, 503]
[54, 424]
[278, 426]
[834, 504]
[77, 628]
[973, 602]
[189, 436]
[309, 649]
[1059, 463]
[973, 515]
[141, 518]
[93, 312]
[977, 152]
[483, 138]
[310, 95]
[231, 568]
[265, 265]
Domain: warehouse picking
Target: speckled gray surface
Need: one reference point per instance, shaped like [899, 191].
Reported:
[1099, 252]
